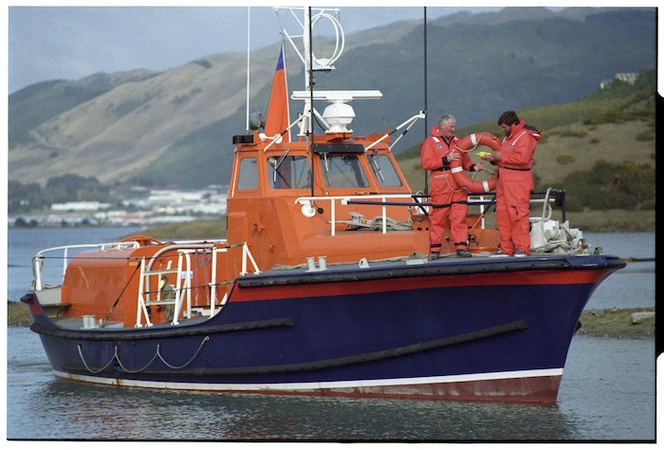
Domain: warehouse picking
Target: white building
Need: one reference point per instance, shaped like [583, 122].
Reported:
[79, 206]
[625, 77]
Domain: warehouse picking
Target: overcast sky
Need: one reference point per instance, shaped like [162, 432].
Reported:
[70, 42]
[77, 40]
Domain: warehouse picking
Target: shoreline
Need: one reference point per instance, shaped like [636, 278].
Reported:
[620, 323]
[591, 221]
[627, 323]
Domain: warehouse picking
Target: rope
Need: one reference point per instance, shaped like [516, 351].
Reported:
[377, 224]
[200, 347]
[103, 322]
[80, 353]
[133, 371]
[473, 147]
[156, 354]
[560, 236]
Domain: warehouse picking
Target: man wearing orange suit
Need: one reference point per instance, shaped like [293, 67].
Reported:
[515, 183]
[436, 152]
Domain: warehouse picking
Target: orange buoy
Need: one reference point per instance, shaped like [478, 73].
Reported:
[471, 141]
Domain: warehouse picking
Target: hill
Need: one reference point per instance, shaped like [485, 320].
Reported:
[144, 128]
[601, 150]
[615, 125]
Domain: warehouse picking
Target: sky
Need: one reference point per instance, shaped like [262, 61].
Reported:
[80, 38]
[70, 42]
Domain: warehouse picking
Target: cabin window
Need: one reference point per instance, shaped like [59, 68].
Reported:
[289, 172]
[384, 171]
[248, 177]
[343, 171]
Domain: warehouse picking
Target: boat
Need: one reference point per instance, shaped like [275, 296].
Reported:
[322, 285]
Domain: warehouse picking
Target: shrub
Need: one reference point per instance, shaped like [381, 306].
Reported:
[639, 113]
[564, 160]
[572, 203]
[567, 133]
[570, 133]
[594, 141]
[611, 116]
[608, 185]
[648, 205]
[645, 136]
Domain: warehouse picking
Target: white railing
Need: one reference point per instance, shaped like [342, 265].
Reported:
[308, 209]
[39, 259]
[184, 272]
[184, 275]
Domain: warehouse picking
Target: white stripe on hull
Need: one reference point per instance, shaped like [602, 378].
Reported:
[316, 386]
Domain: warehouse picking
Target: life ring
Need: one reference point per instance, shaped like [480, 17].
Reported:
[460, 177]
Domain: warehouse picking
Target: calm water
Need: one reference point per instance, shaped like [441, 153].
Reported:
[607, 392]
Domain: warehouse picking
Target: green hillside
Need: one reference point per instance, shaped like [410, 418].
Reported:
[601, 150]
[34, 105]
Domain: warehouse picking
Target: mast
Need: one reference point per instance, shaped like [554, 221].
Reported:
[426, 106]
[309, 106]
[248, 60]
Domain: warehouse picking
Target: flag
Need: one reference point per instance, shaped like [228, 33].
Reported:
[277, 111]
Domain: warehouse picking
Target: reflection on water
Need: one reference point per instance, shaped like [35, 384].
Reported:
[607, 393]
[103, 412]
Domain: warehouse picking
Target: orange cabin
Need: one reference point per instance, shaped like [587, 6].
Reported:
[264, 211]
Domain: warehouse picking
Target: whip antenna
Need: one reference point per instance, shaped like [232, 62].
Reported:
[426, 106]
[248, 59]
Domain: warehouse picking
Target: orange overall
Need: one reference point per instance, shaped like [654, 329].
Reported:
[515, 183]
[434, 152]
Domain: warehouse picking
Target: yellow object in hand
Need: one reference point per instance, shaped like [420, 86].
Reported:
[483, 154]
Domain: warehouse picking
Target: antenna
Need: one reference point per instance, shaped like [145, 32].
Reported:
[307, 43]
[304, 51]
[248, 60]
[426, 106]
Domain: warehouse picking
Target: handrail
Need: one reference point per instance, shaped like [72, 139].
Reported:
[308, 202]
[308, 209]
[184, 272]
[38, 259]
[184, 248]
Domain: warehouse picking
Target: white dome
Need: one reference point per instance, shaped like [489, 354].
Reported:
[338, 115]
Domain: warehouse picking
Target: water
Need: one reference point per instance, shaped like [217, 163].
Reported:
[607, 392]
[25, 243]
[633, 286]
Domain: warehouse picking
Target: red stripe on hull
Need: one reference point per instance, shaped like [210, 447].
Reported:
[522, 390]
[545, 277]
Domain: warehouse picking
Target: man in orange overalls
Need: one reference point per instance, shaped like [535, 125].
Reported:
[436, 152]
[515, 183]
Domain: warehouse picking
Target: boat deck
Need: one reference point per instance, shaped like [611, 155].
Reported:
[419, 266]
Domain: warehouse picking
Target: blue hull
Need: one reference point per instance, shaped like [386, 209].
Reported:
[498, 335]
